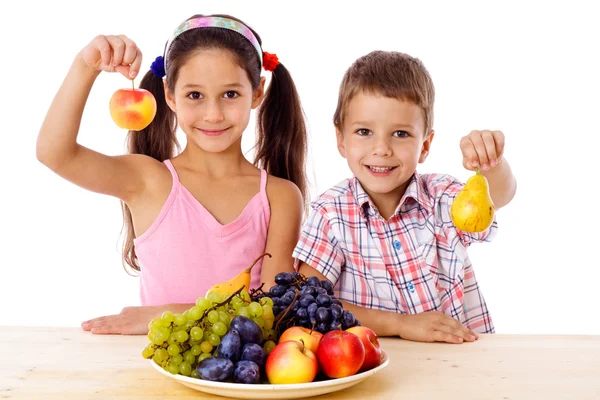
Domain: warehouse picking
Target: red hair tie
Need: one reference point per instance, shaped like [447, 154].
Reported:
[270, 61]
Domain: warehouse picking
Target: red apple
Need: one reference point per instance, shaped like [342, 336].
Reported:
[372, 347]
[291, 362]
[132, 109]
[310, 338]
[340, 354]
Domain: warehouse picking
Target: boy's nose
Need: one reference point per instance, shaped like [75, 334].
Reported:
[213, 112]
[382, 148]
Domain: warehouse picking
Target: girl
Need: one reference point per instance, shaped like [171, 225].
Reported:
[200, 217]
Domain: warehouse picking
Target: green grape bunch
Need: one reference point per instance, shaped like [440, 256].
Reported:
[179, 342]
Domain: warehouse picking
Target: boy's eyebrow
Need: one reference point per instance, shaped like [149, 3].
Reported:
[234, 85]
[399, 125]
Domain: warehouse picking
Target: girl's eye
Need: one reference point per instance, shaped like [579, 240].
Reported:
[231, 94]
[363, 132]
[401, 134]
[194, 95]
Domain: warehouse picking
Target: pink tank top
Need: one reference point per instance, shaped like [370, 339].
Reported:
[186, 250]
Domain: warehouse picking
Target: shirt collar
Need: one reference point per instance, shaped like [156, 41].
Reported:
[415, 190]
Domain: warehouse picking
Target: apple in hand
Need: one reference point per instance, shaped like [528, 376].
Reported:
[132, 109]
[372, 347]
[291, 362]
[340, 353]
[310, 338]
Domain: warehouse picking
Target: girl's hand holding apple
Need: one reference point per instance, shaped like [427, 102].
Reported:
[131, 109]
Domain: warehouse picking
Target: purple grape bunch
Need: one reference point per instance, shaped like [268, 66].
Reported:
[239, 357]
[307, 302]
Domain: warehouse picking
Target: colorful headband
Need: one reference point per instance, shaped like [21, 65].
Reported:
[215, 22]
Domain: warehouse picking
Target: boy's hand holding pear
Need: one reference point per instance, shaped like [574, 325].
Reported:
[474, 207]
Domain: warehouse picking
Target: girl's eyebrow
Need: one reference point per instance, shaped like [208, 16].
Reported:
[198, 86]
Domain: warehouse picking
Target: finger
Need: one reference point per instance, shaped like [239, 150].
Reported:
[130, 71]
[118, 49]
[136, 64]
[92, 322]
[470, 158]
[105, 330]
[104, 48]
[479, 149]
[130, 50]
[490, 147]
[499, 143]
[453, 326]
[441, 336]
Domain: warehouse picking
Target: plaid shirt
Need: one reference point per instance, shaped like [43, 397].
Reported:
[414, 262]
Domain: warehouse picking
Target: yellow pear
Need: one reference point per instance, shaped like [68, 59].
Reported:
[473, 208]
[237, 282]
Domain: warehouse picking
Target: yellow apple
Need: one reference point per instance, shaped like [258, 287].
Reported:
[310, 339]
[132, 109]
[291, 362]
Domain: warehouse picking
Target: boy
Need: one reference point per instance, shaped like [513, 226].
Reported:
[385, 238]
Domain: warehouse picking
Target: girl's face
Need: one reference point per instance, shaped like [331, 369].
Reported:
[212, 99]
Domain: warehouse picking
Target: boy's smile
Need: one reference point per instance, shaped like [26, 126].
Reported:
[383, 140]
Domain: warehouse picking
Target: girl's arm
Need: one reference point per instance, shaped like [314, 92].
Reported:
[131, 320]
[57, 146]
[286, 205]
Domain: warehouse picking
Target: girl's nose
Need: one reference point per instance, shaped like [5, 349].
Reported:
[213, 112]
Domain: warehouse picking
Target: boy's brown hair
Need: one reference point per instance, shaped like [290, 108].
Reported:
[391, 74]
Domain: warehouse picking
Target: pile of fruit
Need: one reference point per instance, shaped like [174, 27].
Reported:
[285, 335]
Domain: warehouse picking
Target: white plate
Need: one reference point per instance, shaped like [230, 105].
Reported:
[267, 391]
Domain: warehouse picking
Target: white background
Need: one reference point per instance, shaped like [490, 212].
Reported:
[530, 70]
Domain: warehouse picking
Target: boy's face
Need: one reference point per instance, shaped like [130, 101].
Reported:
[383, 140]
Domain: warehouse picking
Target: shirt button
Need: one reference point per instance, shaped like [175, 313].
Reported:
[397, 244]
[411, 286]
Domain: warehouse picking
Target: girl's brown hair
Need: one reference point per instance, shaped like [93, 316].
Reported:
[282, 139]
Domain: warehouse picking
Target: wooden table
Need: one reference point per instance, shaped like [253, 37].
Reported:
[67, 363]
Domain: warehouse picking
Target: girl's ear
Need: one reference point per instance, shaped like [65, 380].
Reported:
[426, 147]
[259, 93]
[169, 96]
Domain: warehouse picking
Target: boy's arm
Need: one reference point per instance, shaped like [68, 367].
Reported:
[503, 184]
[430, 326]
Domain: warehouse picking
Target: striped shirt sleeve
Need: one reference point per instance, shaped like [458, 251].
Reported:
[318, 247]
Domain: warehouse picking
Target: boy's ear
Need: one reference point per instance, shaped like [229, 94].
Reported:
[426, 147]
[340, 142]
[169, 96]
[259, 93]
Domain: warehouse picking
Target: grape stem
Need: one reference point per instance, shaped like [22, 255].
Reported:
[282, 315]
[184, 346]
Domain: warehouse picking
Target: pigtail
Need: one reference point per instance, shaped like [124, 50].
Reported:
[158, 140]
[282, 136]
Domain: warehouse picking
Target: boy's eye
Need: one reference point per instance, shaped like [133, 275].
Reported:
[231, 94]
[363, 132]
[401, 134]
[194, 95]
